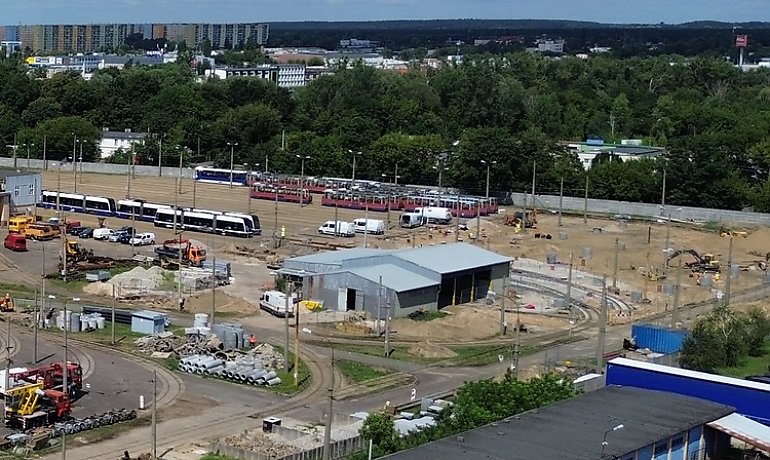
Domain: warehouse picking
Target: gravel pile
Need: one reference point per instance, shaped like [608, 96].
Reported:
[137, 280]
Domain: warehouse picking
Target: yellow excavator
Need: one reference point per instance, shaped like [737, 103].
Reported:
[7, 303]
[701, 264]
[76, 252]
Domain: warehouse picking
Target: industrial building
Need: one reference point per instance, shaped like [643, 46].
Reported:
[19, 193]
[403, 281]
[750, 399]
[614, 422]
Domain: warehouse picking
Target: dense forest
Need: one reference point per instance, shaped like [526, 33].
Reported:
[508, 110]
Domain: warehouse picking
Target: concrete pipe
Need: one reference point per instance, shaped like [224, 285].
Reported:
[274, 381]
[213, 370]
[191, 369]
[270, 375]
[199, 371]
[205, 361]
[211, 364]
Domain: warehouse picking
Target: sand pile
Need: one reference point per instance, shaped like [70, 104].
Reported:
[431, 350]
[757, 242]
[135, 281]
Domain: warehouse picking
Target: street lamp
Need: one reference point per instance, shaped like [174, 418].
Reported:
[489, 166]
[302, 179]
[75, 163]
[28, 147]
[355, 154]
[328, 426]
[232, 152]
[604, 442]
[65, 368]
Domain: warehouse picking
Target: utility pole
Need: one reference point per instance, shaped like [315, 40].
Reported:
[337, 221]
[387, 327]
[585, 203]
[154, 446]
[602, 329]
[534, 177]
[561, 198]
[379, 307]
[517, 341]
[45, 146]
[502, 306]
[728, 281]
[65, 372]
[569, 290]
[213, 290]
[276, 232]
[615, 267]
[366, 218]
[296, 347]
[478, 221]
[666, 249]
[677, 289]
[457, 220]
[328, 427]
[160, 157]
[7, 352]
[128, 177]
[288, 289]
[42, 301]
[112, 315]
[524, 217]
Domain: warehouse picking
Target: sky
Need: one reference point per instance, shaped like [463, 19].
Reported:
[150, 11]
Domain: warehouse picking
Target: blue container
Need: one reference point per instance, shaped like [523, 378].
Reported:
[657, 338]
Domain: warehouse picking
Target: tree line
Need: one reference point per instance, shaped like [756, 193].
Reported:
[509, 110]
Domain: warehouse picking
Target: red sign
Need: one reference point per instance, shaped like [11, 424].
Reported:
[741, 41]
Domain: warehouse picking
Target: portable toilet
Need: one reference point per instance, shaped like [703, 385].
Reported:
[148, 322]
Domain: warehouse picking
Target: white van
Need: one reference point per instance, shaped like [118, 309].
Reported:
[103, 233]
[343, 228]
[142, 239]
[369, 226]
[435, 215]
[412, 220]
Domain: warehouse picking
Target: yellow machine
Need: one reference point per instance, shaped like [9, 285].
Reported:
[22, 400]
[39, 232]
[7, 304]
[18, 224]
[76, 252]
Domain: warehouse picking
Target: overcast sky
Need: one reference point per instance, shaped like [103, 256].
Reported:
[147, 11]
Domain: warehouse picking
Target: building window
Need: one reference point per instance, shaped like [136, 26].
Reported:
[17, 191]
[31, 189]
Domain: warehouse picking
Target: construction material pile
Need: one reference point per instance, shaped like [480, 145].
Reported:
[257, 367]
[135, 282]
[180, 346]
[257, 441]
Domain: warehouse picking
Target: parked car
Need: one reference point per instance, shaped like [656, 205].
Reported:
[103, 233]
[126, 228]
[86, 233]
[374, 226]
[342, 228]
[142, 239]
[115, 237]
[75, 231]
[125, 238]
[15, 242]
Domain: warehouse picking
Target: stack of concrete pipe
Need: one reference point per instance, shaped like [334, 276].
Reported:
[247, 369]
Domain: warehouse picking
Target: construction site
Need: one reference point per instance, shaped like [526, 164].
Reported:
[566, 273]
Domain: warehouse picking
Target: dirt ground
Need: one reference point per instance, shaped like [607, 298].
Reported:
[201, 303]
[469, 323]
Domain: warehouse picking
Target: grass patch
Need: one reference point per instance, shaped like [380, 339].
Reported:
[467, 356]
[751, 365]
[75, 286]
[287, 387]
[104, 433]
[216, 457]
[15, 289]
[124, 337]
[357, 372]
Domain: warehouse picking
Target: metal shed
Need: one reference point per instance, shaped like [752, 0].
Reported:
[148, 322]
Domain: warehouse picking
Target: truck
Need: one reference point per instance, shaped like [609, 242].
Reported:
[435, 215]
[374, 226]
[39, 232]
[18, 224]
[31, 405]
[168, 254]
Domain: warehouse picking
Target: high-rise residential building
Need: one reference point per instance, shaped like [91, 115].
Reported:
[85, 38]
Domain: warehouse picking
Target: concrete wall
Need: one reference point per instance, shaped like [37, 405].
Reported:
[101, 168]
[651, 210]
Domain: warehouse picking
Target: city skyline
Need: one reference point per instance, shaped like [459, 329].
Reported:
[179, 11]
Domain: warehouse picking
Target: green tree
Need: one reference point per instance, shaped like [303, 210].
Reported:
[379, 428]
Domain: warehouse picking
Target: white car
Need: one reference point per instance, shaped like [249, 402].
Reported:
[103, 233]
[142, 239]
[343, 228]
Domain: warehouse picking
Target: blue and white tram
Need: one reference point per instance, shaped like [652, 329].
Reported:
[251, 221]
[138, 209]
[73, 202]
[221, 176]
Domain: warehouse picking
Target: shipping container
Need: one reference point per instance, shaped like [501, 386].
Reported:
[658, 338]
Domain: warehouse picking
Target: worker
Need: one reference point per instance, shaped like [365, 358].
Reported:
[181, 304]
[252, 341]
[126, 456]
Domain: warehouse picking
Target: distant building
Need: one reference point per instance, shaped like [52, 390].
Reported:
[283, 75]
[354, 45]
[548, 45]
[86, 38]
[628, 149]
[113, 140]
[11, 46]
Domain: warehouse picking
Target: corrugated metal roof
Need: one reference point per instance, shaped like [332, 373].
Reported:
[336, 257]
[393, 277]
[574, 429]
[745, 429]
[690, 374]
[451, 258]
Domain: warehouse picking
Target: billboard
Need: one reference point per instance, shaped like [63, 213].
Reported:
[741, 41]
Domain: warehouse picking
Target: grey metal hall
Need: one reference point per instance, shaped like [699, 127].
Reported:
[428, 278]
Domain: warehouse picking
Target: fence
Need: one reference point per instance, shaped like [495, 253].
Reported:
[339, 449]
[650, 210]
[100, 168]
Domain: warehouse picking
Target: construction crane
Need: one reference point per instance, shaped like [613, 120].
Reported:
[29, 406]
[702, 264]
[52, 377]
